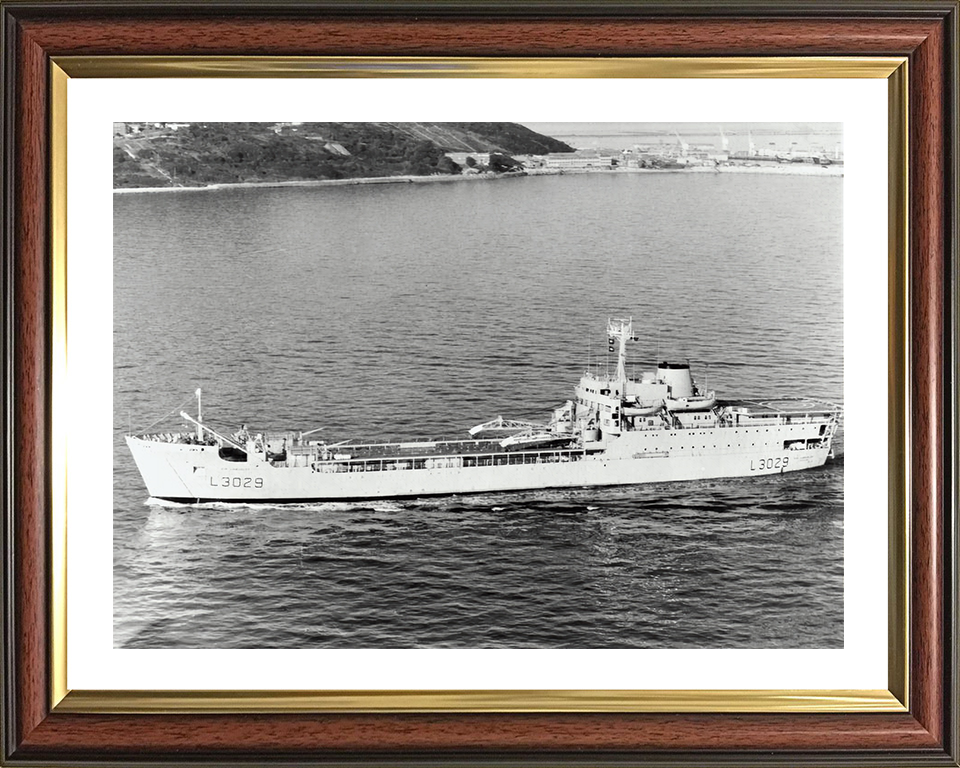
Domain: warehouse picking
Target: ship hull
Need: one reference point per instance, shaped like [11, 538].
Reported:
[196, 473]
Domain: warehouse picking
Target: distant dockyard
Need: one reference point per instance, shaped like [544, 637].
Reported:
[167, 156]
[678, 155]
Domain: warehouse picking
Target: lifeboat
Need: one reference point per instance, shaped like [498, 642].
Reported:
[692, 403]
[642, 410]
[534, 440]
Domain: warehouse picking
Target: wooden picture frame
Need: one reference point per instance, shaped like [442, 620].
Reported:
[40, 727]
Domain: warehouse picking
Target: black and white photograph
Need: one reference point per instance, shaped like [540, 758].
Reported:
[478, 385]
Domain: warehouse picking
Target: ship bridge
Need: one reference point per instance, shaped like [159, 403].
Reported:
[617, 403]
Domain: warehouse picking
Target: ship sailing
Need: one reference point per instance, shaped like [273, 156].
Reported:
[617, 431]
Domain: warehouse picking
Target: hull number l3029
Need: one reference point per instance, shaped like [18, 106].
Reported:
[237, 482]
[780, 462]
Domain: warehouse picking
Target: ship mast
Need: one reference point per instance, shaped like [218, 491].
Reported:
[621, 330]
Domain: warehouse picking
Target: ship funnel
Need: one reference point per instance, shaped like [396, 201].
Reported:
[677, 377]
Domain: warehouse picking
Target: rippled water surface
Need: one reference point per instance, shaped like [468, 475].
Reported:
[420, 310]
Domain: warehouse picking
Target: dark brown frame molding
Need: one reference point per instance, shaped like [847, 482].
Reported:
[923, 31]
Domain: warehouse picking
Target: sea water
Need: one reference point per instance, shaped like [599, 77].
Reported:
[419, 310]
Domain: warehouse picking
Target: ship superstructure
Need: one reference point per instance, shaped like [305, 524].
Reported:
[617, 430]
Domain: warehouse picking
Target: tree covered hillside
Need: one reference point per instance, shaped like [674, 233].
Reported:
[196, 154]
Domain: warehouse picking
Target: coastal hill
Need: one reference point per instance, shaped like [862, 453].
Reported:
[197, 154]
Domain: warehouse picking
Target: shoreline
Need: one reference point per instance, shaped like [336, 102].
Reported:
[318, 183]
[772, 170]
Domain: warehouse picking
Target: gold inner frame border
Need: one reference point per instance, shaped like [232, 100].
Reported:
[894, 699]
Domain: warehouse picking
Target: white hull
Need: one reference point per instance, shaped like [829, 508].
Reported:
[196, 473]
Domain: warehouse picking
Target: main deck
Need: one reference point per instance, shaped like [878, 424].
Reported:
[287, 450]
[431, 454]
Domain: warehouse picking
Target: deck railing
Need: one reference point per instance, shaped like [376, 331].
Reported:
[464, 461]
